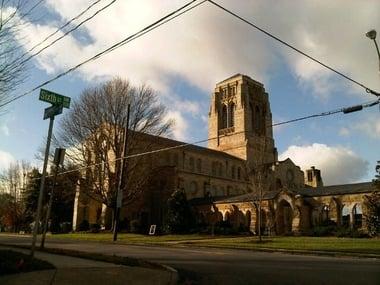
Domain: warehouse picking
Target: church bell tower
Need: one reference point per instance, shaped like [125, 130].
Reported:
[240, 120]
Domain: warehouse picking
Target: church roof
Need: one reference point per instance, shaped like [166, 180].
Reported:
[187, 146]
[249, 197]
[356, 188]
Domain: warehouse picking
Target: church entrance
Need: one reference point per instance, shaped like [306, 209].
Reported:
[284, 218]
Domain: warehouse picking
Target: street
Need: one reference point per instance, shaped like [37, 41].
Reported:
[225, 266]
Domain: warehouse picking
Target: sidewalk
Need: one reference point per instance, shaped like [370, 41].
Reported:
[73, 271]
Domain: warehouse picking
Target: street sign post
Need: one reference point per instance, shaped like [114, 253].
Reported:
[52, 111]
[58, 102]
[55, 98]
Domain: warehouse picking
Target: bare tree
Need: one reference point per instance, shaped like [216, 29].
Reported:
[13, 182]
[92, 132]
[13, 15]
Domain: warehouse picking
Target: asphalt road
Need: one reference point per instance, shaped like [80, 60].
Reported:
[224, 266]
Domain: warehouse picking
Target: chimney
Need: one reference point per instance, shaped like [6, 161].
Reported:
[313, 177]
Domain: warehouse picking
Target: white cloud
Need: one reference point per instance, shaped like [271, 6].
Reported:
[5, 160]
[207, 45]
[344, 132]
[370, 127]
[338, 164]
[192, 46]
[4, 129]
[180, 127]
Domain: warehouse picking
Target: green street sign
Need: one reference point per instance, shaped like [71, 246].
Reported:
[54, 98]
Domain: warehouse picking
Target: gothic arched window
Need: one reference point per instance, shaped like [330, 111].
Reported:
[231, 114]
[224, 117]
[191, 164]
[252, 116]
[257, 121]
[199, 165]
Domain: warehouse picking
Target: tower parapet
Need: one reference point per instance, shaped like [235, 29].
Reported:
[240, 120]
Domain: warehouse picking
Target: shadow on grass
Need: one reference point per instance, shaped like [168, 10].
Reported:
[12, 262]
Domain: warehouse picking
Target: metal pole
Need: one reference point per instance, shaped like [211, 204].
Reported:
[49, 209]
[119, 194]
[42, 186]
[378, 52]
[260, 186]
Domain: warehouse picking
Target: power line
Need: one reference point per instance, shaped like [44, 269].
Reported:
[367, 89]
[63, 35]
[32, 8]
[62, 27]
[344, 110]
[169, 17]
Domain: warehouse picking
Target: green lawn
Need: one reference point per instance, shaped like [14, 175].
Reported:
[130, 238]
[348, 245]
[15, 262]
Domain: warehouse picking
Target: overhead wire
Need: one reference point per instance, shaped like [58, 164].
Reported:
[344, 110]
[76, 27]
[169, 17]
[62, 27]
[269, 34]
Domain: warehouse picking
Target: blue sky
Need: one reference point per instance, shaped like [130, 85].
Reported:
[183, 61]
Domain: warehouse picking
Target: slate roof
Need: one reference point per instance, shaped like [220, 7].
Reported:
[234, 199]
[187, 146]
[357, 188]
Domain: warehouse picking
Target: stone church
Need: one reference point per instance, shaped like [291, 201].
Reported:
[237, 175]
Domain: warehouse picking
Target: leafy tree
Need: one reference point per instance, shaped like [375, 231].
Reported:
[376, 181]
[63, 199]
[93, 131]
[6, 212]
[180, 218]
[372, 204]
[372, 216]
[30, 195]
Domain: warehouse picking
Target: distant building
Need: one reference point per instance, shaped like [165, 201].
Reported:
[223, 181]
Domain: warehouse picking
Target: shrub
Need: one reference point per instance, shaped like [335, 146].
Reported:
[321, 231]
[180, 217]
[66, 227]
[124, 225]
[83, 226]
[94, 228]
[351, 233]
[135, 226]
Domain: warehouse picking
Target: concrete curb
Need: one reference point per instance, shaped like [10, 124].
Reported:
[184, 244]
[188, 244]
[87, 255]
[295, 252]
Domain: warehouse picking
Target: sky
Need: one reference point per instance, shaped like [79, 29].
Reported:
[184, 59]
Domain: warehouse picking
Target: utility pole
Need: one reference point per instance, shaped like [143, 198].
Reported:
[119, 193]
[58, 159]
